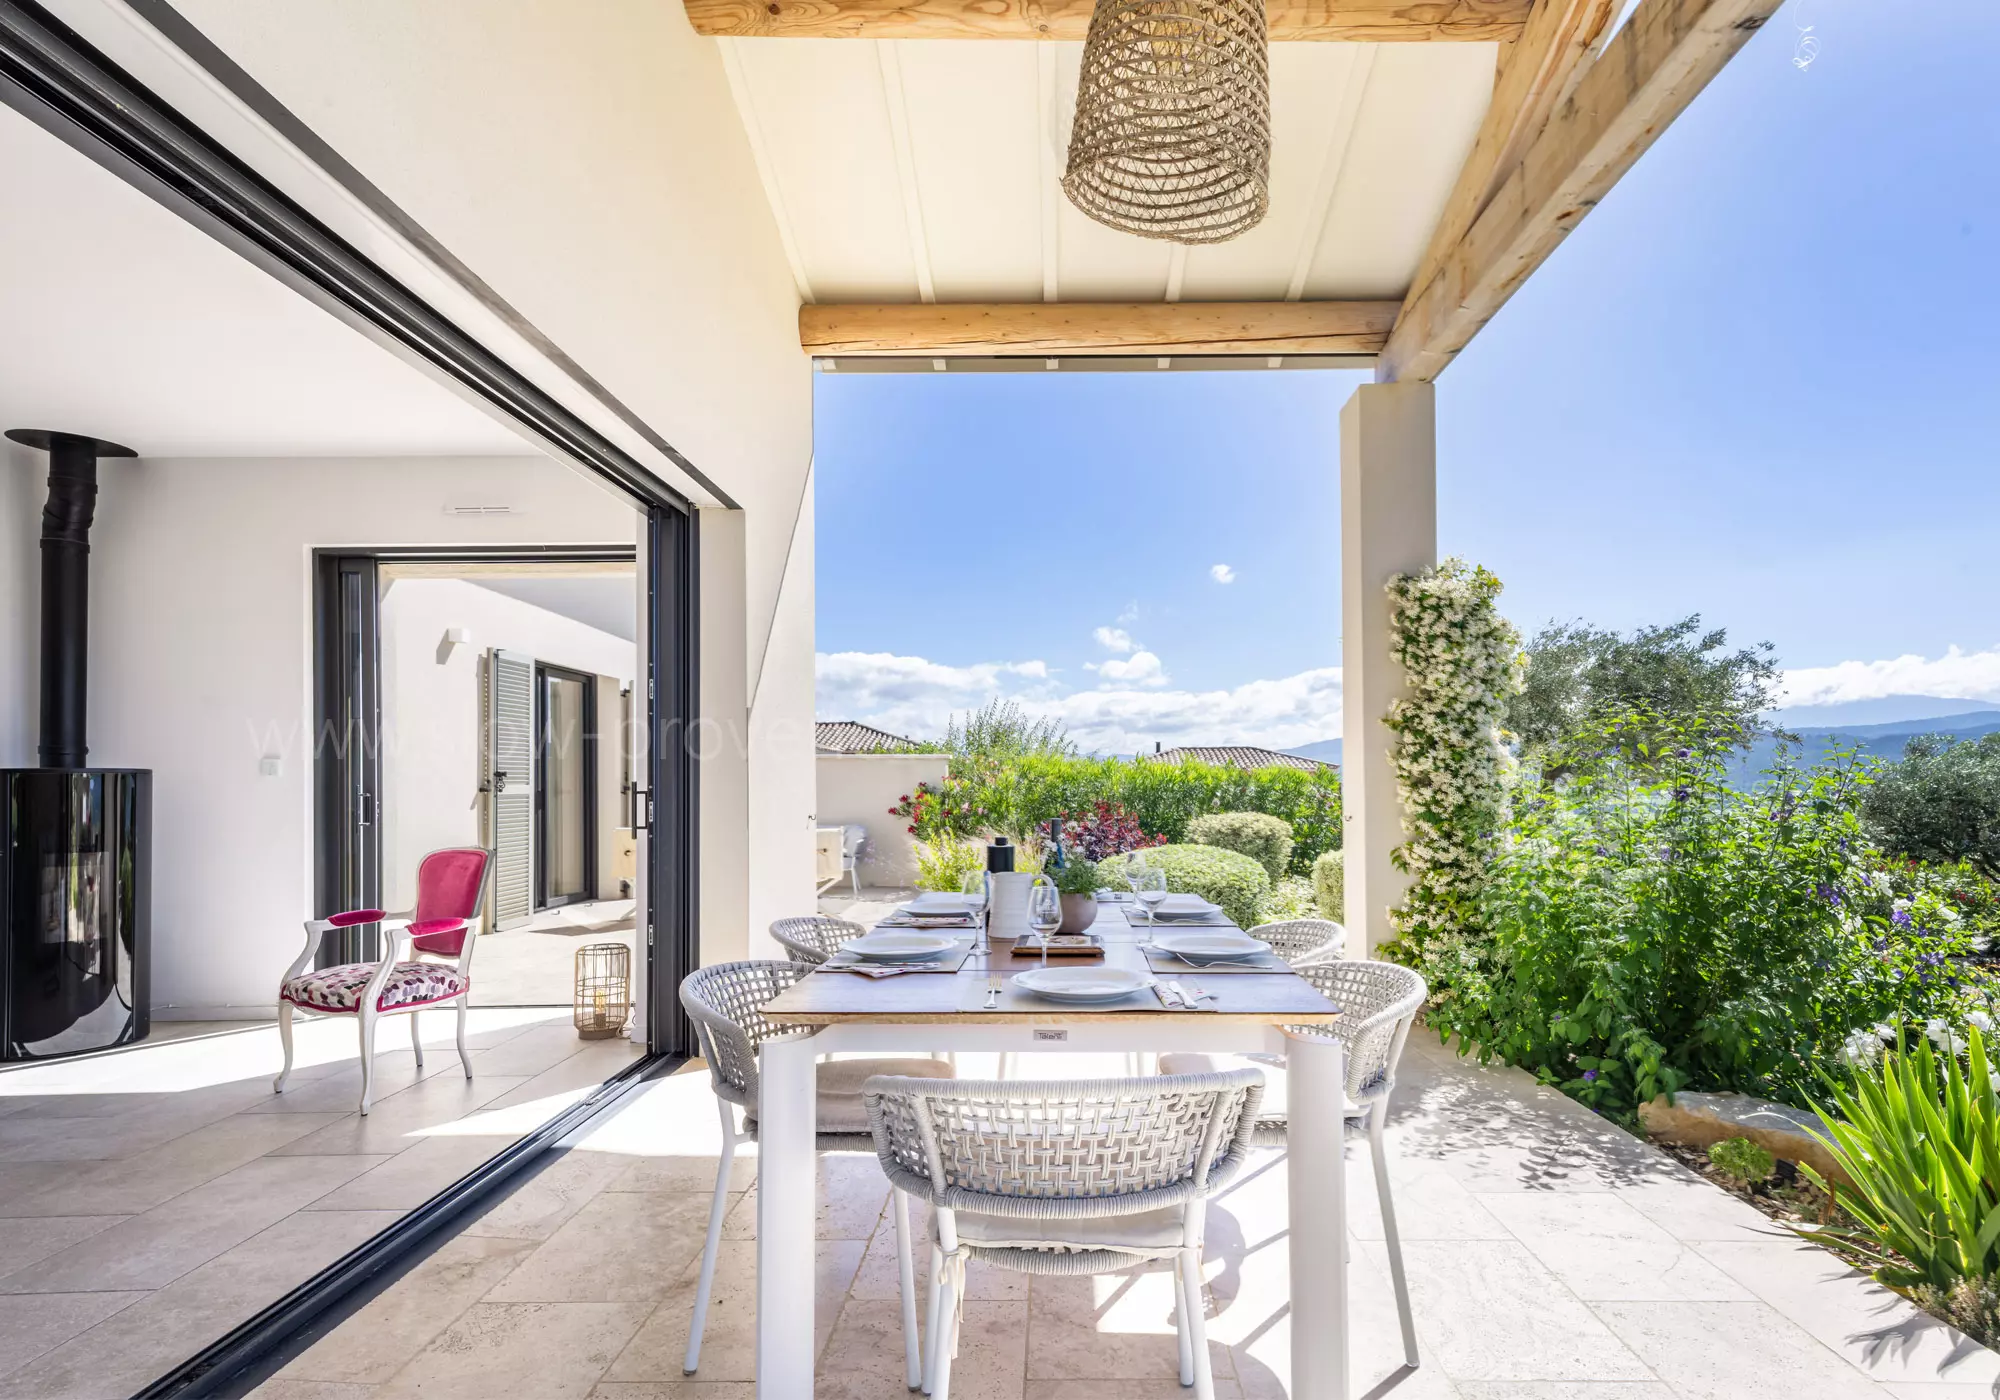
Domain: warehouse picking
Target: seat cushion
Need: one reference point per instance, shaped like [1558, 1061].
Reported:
[1144, 1231]
[339, 988]
[839, 1088]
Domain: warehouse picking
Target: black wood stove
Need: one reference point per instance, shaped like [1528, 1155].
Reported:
[75, 842]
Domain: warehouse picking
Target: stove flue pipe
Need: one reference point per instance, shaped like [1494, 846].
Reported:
[66, 520]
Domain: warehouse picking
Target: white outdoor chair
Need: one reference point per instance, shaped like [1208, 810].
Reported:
[726, 1002]
[1046, 1177]
[451, 894]
[1378, 1002]
[1303, 941]
[813, 938]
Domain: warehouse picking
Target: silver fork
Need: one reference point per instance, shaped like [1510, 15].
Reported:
[992, 994]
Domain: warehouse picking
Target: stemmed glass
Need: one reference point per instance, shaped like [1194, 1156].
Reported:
[1149, 883]
[1044, 911]
[974, 890]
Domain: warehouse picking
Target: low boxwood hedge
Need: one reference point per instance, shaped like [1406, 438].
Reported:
[1264, 838]
[1236, 882]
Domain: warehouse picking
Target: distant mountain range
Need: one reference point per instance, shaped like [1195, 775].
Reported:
[1873, 728]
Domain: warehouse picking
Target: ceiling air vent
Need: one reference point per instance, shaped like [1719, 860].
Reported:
[479, 510]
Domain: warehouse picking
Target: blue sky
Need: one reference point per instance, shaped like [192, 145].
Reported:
[1759, 383]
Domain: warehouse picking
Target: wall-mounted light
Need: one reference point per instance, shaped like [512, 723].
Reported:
[453, 638]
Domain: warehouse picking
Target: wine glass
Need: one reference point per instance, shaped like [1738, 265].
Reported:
[1044, 911]
[1149, 884]
[974, 890]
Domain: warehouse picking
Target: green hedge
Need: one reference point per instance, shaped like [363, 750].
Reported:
[1016, 794]
[1330, 886]
[1236, 882]
[1259, 835]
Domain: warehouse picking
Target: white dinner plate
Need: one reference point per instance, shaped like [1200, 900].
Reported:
[936, 902]
[1084, 984]
[1187, 906]
[1222, 945]
[886, 946]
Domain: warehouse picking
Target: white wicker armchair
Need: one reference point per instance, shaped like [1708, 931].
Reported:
[1303, 941]
[726, 1004]
[813, 938]
[1378, 1003]
[1064, 1178]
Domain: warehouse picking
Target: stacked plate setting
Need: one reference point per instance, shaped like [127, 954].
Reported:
[892, 946]
[1084, 984]
[1221, 945]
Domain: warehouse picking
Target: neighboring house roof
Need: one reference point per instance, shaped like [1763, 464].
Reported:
[846, 736]
[1240, 756]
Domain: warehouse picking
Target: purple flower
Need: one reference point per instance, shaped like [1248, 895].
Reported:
[1589, 1076]
[1682, 753]
[1604, 852]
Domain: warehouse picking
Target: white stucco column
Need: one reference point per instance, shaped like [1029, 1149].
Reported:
[1388, 526]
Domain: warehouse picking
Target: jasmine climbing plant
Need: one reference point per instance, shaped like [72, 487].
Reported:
[1462, 661]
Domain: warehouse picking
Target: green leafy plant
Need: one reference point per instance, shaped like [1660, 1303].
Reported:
[1653, 929]
[1079, 876]
[1290, 898]
[1329, 877]
[1264, 838]
[1920, 1138]
[1743, 1159]
[1941, 803]
[944, 862]
[1236, 882]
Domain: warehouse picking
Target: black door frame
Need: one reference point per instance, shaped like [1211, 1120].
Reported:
[347, 749]
[545, 671]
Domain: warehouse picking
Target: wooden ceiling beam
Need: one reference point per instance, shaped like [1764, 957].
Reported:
[1352, 21]
[1099, 328]
[1652, 68]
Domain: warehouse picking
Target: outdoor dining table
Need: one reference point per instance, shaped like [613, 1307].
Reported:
[919, 1012]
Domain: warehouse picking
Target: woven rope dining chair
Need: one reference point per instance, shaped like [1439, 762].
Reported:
[1043, 1177]
[813, 938]
[1303, 941]
[1378, 1003]
[726, 1004]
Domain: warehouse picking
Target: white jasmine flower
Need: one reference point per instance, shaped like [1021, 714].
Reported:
[1861, 1049]
[1981, 1020]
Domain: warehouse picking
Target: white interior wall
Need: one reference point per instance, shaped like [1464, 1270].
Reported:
[201, 664]
[431, 765]
[587, 161]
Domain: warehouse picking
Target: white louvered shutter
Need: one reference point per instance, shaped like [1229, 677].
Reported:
[510, 780]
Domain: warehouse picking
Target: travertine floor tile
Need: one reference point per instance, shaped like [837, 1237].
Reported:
[1110, 1327]
[411, 1177]
[34, 1323]
[621, 1247]
[495, 1349]
[1733, 1351]
[537, 1207]
[1602, 1248]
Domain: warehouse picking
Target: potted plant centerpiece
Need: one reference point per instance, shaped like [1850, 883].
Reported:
[1078, 881]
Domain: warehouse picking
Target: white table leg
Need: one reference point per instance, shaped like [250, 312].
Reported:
[1316, 1173]
[787, 1192]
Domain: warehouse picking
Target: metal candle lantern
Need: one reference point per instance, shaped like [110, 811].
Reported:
[603, 990]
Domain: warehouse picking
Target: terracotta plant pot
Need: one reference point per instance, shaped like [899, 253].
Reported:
[1079, 913]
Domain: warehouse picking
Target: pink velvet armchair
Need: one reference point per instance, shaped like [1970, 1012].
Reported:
[435, 970]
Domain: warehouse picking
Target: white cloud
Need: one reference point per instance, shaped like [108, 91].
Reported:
[910, 695]
[1128, 615]
[1957, 675]
[1114, 639]
[1222, 573]
[1141, 668]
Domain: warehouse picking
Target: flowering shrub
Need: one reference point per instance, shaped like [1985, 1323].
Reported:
[947, 810]
[1653, 929]
[1020, 794]
[1108, 831]
[944, 862]
[1461, 660]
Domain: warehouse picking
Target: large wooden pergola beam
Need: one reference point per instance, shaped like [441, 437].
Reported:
[1530, 200]
[1099, 328]
[1353, 21]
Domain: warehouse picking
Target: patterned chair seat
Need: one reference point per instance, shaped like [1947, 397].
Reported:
[338, 989]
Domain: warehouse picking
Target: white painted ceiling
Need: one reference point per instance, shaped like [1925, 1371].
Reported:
[120, 320]
[920, 170]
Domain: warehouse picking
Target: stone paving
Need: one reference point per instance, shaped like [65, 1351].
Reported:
[1552, 1257]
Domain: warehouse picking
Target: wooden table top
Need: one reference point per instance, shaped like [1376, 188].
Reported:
[831, 998]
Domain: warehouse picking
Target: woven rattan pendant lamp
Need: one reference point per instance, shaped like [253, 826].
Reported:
[1173, 119]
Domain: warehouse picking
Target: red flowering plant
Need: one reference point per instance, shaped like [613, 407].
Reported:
[1108, 831]
[944, 810]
